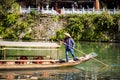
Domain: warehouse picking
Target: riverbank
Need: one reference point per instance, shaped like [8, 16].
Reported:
[90, 27]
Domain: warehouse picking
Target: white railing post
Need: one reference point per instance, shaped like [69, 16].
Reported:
[73, 10]
[83, 10]
[93, 10]
[103, 9]
[28, 11]
[114, 11]
[20, 9]
[53, 10]
[47, 7]
[42, 10]
[38, 8]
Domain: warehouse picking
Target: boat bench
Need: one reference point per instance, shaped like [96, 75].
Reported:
[27, 61]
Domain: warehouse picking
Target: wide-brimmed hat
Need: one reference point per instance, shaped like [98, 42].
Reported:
[67, 34]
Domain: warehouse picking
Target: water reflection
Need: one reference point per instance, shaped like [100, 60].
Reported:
[71, 73]
[70, 76]
[50, 74]
[35, 74]
[108, 53]
[8, 76]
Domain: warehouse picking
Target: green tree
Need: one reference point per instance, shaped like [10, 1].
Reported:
[75, 27]
[88, 31]
[103, 24]
[8, 15]
[5, 7]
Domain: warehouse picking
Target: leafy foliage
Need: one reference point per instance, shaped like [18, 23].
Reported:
[5, 7]
[102, 23]
[75, 27]
[95, 27]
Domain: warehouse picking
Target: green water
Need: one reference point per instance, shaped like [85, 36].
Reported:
[106, 66]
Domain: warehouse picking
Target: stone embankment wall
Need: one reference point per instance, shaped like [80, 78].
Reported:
[47, 28]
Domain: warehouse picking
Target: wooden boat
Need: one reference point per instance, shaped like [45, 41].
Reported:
[10, 64]
[40, 63]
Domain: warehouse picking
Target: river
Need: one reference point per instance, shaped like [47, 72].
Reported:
[106, 66]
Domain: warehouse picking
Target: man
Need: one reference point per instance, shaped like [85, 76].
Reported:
[69, 45]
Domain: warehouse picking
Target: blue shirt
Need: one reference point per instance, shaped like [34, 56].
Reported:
[69, 43]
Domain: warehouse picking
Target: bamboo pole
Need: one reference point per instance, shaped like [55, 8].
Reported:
[58, 53]
[4, 54]
[92, 58]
